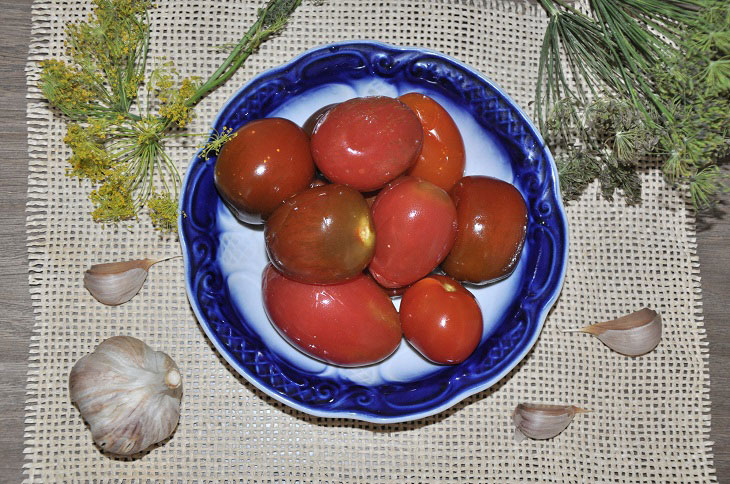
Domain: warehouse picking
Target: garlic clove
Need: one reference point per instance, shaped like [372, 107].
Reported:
[115, 283]
[128, 393]
[633, 335]
[539, 421]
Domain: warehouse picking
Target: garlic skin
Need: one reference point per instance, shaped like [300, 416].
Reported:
[128, 393]
[539, 421]
[115, 283]
[632, 335]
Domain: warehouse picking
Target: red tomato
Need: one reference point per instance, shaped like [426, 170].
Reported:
[492, 222]
[366, 142]
[348, 324]
[441, 319]
[415, 227]
[268, 161]
[442, 157]
[321, 235]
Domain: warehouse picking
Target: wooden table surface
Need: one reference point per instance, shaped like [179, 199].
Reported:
[16, 316]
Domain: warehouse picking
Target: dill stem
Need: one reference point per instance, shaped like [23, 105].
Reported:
[250, 41]
[223, 72]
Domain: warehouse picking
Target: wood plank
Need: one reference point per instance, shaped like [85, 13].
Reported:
[714, 252]
[16, 317]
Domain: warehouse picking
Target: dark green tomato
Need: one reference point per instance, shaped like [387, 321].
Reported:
[312, 121]
[491, 226]
[322, 235]
[268, 161]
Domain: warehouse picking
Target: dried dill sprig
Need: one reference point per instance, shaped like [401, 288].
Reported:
[116, 141]
[667, 62]
[601, 141]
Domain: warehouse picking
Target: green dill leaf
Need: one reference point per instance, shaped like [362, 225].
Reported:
[705, 185]
[277, 12]
[575, 173]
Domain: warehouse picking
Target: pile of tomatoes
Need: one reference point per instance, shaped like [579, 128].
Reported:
[365, 202]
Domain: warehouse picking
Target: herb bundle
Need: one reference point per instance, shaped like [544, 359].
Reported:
[637, 79]
[117, 139]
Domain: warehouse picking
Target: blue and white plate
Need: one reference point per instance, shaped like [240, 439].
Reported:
[224, 259]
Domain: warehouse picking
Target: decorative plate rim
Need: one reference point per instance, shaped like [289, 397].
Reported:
[226, 353]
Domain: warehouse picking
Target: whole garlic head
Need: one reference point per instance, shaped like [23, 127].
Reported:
[128, 393]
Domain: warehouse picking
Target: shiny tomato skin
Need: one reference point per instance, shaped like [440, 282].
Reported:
[492, 223]
[441, 319]
[348, 324]
[322, 235]
[317, 182]
[442, 157]
[267, 161]
[366, 142]
[312, 120]
[415, 227]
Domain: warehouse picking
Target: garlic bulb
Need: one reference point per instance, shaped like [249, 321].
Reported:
[633, 335]
[539, 421]
[128, 393]
[115, 283]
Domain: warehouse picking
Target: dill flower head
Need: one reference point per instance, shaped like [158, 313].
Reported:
[173, 95]
[216, 142]
[89, 158]
[163, 211]
[68, 88]
[113, 199]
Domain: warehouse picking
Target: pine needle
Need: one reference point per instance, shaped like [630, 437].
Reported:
[634, 79]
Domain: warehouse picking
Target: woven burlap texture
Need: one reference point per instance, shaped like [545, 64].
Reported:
[650, 416]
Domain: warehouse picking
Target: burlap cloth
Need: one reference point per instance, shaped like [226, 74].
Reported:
[651, 415]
